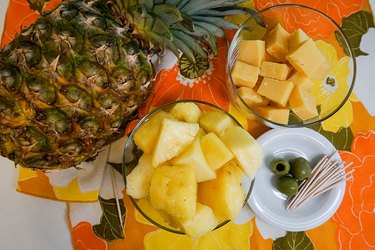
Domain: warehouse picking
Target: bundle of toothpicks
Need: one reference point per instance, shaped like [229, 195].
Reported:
[325, 175]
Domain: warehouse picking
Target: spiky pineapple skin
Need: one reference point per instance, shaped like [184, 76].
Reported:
[68, 84]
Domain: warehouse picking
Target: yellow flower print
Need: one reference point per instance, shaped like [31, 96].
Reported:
[329, 92]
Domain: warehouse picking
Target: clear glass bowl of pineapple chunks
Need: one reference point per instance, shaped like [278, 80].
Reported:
[189, 167]
[284, 67]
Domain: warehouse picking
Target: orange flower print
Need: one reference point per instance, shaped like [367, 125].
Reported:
[336, 9]
[356, 215]
[85, 239]
[170, 85]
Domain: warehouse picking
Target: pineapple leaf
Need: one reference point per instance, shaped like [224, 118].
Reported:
[185, 49]
[217, 21]
[187, 22]
[159, 2]
[168, 13]
[147, 4]
[182, 3]
[216, 31]
[208, 38]
[190, 41]
[196, 5]
[37, 4]
[173, 2]
[214, 12]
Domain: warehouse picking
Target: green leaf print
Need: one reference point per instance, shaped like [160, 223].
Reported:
[109, 227]
[355, 26]
[342, 139]
[293, 241]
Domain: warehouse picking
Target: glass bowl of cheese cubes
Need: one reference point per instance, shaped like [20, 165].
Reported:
[189, 166]
[291, 66]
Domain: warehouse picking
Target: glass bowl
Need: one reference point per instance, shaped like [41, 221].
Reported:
[329, 93]
[132, 154]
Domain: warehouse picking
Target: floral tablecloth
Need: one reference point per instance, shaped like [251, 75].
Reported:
[89, 192]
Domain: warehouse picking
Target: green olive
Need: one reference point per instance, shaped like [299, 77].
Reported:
[287, 185]
[280, 166]
[300, 168]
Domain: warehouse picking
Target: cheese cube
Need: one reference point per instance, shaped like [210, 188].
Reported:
[302, 103]
[274, 70]
[244, 74]
[251, 52]
[297, 38]
[307, 58]
[322, 71]
[269, 58]
[277, 43]
[276, 90]
[279, 115]
[251, 97]
[300, 79]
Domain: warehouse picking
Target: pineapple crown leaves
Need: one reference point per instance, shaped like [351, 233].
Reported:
[180, 25]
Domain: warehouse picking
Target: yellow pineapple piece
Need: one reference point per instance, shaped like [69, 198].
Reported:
[244, 74]
[279, 71]
[138, 181]
[203, 222]
[303, 104]
[175, 136]
[193, 156]
[224, 195]
[186, 111]
[247, 151]
[277, 43]
[276, 90]
[215, 151]
[145, 137]
[173, 190]
[297, 38]
[251, 52]
[215, 121]
[251, 97]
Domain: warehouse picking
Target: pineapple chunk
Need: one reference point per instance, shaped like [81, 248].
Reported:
[216, 122]
[215, 151]
[186, 111]
[244, 74]
[138, 181]
[203, 222]
[193, 156]
[247, 151]
[173, 190]
[175, 136]
[224, 195]
[145, 137]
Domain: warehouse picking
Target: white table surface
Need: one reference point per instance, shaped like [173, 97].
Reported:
[28, 222]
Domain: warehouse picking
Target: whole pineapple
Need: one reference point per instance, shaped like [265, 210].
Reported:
[71, 81]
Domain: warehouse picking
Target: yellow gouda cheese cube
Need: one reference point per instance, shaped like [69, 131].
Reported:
[297, 38]
[300, 79]
[307, 58]
[251, 52]
[276, 90]
[244, 74]
[251, 97]
[279, 115]
[302, 103]
[277, 43]
[274, 70]
[322, 71]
